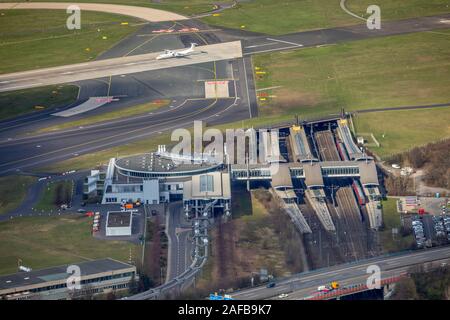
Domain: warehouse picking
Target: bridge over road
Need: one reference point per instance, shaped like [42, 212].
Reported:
[304, 285]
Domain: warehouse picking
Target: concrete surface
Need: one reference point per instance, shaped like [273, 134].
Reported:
[116, 67]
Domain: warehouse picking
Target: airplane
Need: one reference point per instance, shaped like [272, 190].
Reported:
[176, 54]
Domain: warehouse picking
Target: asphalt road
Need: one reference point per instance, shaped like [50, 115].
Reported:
[178, 231]
[305, 284]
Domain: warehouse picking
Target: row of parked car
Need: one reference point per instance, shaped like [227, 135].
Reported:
[439, 226]
[446, 223]
[418, 232]
[96, 223]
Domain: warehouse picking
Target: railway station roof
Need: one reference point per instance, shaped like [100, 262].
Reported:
[313, 174]
[368, 173]
[208, 185]
[281, 176]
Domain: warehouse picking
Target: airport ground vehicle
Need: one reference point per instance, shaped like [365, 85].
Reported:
[327, 288]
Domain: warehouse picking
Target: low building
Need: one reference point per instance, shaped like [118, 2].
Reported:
[96, 277]
[119, 223]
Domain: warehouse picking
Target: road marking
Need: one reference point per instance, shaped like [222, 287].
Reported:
[246, 85]
[269, 88]
[26, 85]
[270, 50]
[260, 45]
[287, 42]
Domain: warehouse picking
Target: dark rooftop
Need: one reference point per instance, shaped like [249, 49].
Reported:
[119, 219]
[35, 277]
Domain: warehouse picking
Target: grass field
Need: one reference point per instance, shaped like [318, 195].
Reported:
[50, 241]
[113, 115]
[43, 35]
[391, 219]
[402, 70]
[16, 103]
[186, 7]
[399, 131]
[55, 192]
[13, 190]
[281, 17]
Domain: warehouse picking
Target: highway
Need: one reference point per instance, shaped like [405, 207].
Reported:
[305, 284]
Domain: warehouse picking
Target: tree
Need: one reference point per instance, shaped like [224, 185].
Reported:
[111, 295]
[405, 290]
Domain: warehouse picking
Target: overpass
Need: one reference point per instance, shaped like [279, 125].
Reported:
[351, 276]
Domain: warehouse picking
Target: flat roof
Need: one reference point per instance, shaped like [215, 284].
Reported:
[218, 184]
[368, 173]
[42, 276]
[313, 174]
[281, 178]
[118, 219]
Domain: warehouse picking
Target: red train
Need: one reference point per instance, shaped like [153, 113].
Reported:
[342, 152]
[359, 193]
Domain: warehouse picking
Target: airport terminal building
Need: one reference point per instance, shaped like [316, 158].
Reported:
[299, 162]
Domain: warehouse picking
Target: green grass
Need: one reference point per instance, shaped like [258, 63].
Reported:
[50, 241]
[281, 17]
[16, 103]
[185, 7]
[13, 190]
[399, 131]
[402, 70]
[47, 200]
[43, 35]
[113, 115]
[391, 219]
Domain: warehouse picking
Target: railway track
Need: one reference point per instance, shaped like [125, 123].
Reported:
[351, 219]
[326, 146]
